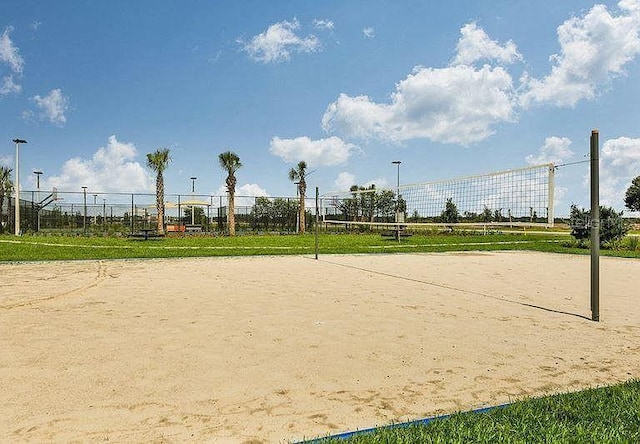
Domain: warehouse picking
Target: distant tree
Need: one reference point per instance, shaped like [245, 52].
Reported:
[450, 213]
[298, 175]
[386, 202]
[486, 215]
[158, 162]
[230, 162]
[612, 226]
[261, 212]
[368, 201]
[632, 196]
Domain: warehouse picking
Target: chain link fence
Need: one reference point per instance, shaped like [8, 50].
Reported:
[84, 212]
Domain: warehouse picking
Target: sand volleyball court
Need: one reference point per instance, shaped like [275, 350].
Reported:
[272, 349]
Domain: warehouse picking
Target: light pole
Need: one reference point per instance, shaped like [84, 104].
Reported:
[398, 162]
[84, 204]
[17, 186]
[193, 190]
[38, 173]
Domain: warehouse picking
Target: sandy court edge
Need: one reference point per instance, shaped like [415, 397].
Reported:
[273, 349]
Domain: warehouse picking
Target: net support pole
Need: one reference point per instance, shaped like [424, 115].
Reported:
[317, 221]
[595, 228]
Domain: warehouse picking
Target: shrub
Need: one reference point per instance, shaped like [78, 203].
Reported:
[613, 227]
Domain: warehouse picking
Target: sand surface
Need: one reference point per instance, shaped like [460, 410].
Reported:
[273, 349]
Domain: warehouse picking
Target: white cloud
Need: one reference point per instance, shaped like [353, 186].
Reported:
[9, 86]
[9, 53]
[555, 150]
[111, 169]
[330, 151]
[594, 49]
[53, 106]
[619, 164]
[323, 24]
[344, 181]
[245, 194]
[379, 182]
[458, 104]
[369, 32]
[475, 45]
[6, 160]
[278, 41]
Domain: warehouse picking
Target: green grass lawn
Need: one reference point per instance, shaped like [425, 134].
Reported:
[36, 248]
[601, 415]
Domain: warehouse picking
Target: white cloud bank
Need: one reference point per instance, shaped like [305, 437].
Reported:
[475, 45]
[278, 42]
[111, 169]
[619, 164]
[344, 181]
[594, 49]
[459, 104]
[323, 152]
[464, 102]
[245, 194]
[555, 150]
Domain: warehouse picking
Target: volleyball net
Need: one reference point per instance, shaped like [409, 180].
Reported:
[515, 197]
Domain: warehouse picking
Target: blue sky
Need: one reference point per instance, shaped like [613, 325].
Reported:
[450, 88]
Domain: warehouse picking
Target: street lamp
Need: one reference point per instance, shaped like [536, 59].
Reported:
[193, 190]
[17, 186]
[398, 162]
[38, 173]
[84, 217]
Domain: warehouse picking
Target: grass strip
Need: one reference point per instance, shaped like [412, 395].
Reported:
[602, 415]
[42, 248]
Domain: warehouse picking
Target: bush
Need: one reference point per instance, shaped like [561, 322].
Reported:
[613, 227]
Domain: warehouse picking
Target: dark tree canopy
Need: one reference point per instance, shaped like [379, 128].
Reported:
[450, 213]
[632, 197]
[612, 226]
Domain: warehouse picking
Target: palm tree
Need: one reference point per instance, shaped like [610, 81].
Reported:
[298, 175]
[230, 162]
[158, 162]
[6, 187]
